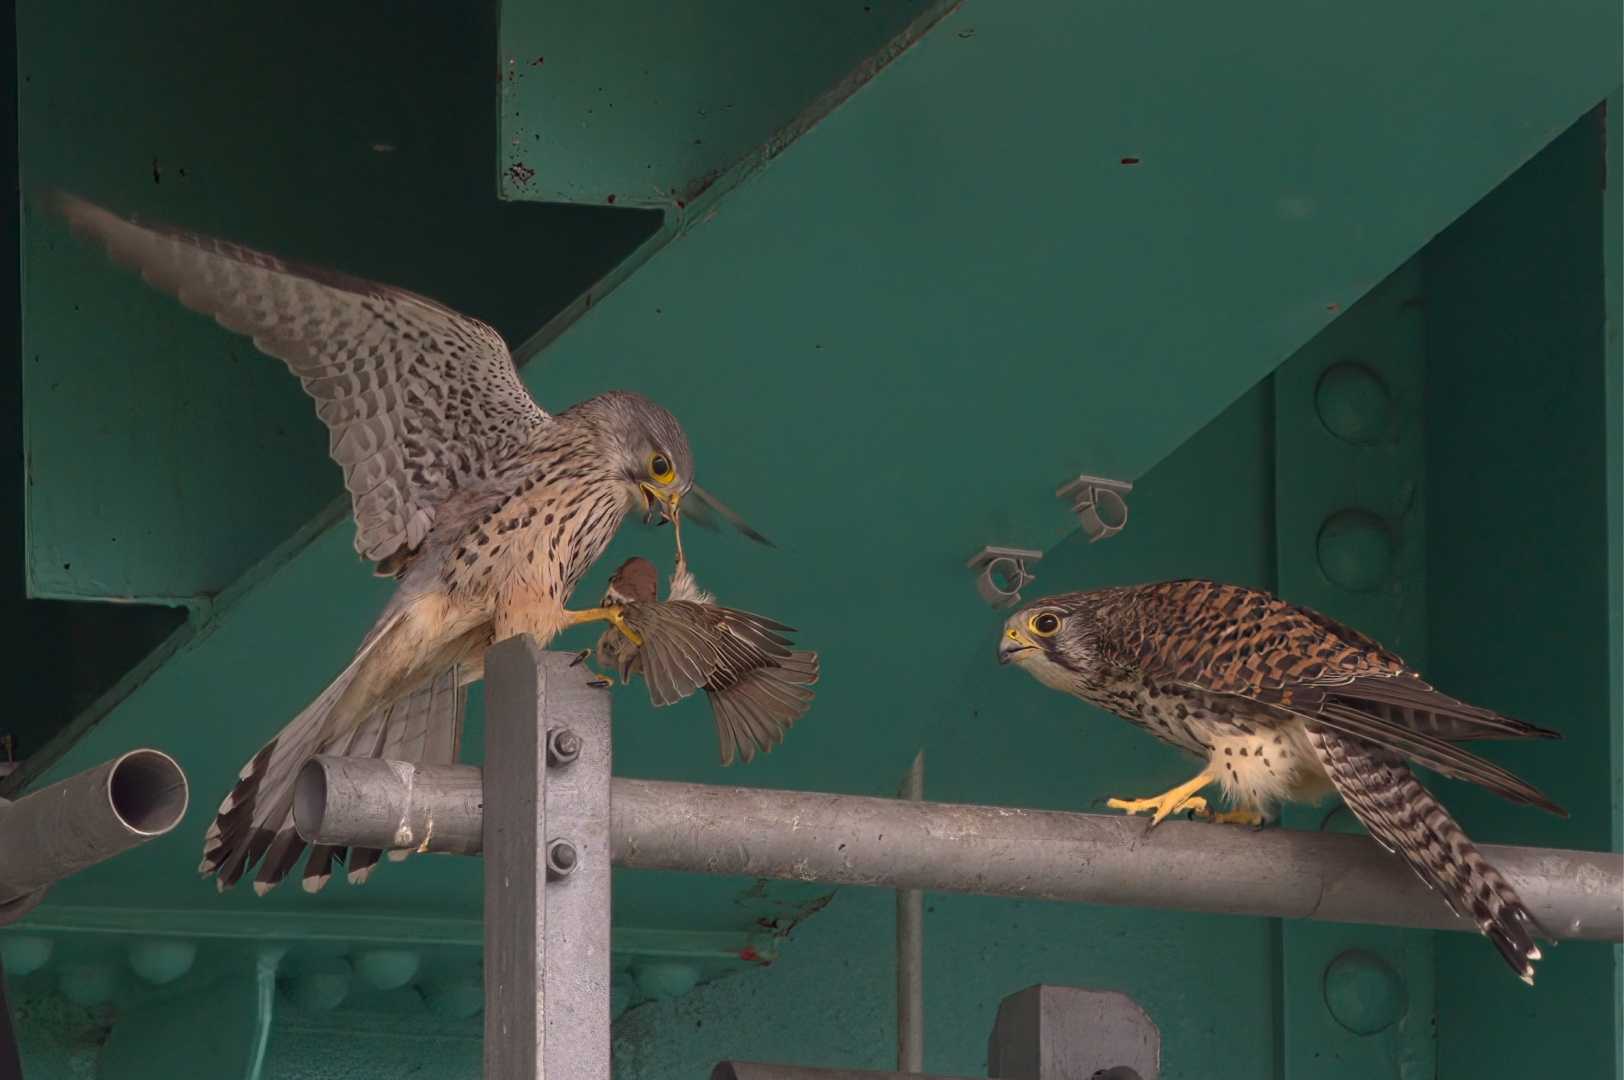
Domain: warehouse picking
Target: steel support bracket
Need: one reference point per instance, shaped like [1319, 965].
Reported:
[547, 874]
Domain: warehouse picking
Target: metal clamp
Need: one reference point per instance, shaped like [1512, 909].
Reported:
[1099, 504]
[1003, 573]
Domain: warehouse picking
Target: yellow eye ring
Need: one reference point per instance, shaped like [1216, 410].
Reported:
[1044, 624]
[660, 469]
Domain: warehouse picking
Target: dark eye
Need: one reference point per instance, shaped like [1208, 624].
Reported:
[1045, 624]
[659, 468]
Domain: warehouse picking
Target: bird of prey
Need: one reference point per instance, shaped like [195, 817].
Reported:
[1284, 704]
[755, 679]
[485, 508]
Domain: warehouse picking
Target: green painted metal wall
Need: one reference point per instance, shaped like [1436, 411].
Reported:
[1048, 239]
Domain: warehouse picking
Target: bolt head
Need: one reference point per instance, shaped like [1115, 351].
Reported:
[563, 746]
[561, 858]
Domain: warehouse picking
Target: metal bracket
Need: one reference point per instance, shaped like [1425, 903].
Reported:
[1003, 573]
[1099, 503]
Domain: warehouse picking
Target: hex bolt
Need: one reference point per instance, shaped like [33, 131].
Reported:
[563, 746]
[561, 859]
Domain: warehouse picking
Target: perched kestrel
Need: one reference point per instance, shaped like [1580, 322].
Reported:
[1284, 704]
[754, 677]
[486, 509]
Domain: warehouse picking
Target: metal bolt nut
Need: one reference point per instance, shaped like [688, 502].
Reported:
[563, 746]
[561, 859]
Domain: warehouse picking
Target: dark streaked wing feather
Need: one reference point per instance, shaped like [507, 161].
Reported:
[1229, 639]
[419, 400]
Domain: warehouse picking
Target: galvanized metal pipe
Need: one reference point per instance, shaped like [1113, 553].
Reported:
[911, 951]
[752, 1070]
[88, 818]
[1046, 855]
[390, 804]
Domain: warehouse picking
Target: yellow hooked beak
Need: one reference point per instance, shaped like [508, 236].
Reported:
[1013, 643]
[669, 501]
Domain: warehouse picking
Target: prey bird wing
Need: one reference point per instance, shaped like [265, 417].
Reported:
[756, 679]
[419, 400]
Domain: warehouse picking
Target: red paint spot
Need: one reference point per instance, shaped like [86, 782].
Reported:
[521, 173]
[681, 205]
[749, 954]
[1130, 161]
[1333, 307]
[611, 200]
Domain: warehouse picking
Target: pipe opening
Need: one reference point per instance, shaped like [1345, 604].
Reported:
[309, 800]
[147, 791]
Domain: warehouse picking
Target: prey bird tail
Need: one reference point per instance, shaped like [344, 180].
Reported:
[1404, 817]
[758, 710]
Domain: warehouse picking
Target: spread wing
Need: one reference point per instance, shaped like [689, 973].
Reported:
[419, 401]
[756, 679]
[1226, 639]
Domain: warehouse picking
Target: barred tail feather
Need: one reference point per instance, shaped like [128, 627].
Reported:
[1404, 817]
[255, 822]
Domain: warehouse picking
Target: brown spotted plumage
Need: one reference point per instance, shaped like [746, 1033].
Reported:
[1285, 704]
[756, 681]
[484, 507]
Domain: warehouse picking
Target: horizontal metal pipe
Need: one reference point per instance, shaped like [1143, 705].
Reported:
[1036, 854]
[752, 1070]
[389, 804]
[75, 823]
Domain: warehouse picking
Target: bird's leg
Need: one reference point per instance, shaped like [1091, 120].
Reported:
[1238, 816]
[599, 680]
[610, 615]
[1183, 797]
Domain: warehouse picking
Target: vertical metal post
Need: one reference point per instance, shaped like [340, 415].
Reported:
[546, 848]
[911, 951]
[11, 1064]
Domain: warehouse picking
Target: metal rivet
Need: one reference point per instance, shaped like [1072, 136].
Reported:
[320, 984]
[1363, 992]
[87, 984]
[456, 999]
[388, 969]
[1355, 550]
[160, 962]
[563, 746]
[1354, 404]
[561, 859]
[24, 954]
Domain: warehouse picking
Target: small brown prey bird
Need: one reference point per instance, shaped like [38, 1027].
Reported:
[484, 507]
[756, 680]
[1284, 704]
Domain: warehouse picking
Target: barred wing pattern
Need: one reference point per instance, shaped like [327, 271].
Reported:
[419, 400]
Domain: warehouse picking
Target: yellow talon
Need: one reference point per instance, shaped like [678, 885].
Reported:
[610, 615]
[1183, 797]
[1233, 817]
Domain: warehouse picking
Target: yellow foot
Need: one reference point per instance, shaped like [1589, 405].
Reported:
[611, 615]
[1161, 805]
[1233, 817]
[1183, 797]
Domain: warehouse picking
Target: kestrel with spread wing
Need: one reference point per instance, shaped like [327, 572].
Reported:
[485, 508]
[755, 678]
[1284, 704]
